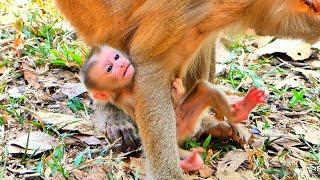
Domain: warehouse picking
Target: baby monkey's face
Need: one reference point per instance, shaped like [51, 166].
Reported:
[111, 70]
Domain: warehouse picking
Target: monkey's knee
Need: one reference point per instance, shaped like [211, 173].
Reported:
[206, 88]
[203, 85]
[220, 129]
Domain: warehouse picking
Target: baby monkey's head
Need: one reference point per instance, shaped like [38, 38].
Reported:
[107, 70]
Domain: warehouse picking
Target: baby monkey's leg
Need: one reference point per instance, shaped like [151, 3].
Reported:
[240, 112]
[190, 110]
[192, 118]
[190, 160]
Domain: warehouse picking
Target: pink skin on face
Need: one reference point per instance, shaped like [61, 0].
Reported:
[112, 68]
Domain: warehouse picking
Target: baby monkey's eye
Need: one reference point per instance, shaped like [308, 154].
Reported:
[116, 57]
[109, 69]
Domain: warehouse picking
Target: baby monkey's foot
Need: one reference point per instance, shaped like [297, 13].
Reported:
[242, 109]
[193, 162]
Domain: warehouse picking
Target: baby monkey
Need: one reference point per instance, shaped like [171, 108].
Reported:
[108, 76]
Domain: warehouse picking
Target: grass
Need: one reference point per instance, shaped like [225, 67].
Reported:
[57, 161]
[33, 33]
[38, 33]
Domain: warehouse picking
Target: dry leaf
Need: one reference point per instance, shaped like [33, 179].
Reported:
[56, 176]
[137, 164]
[205, 171]
[18, 25]
[193, 177]
[38, 142]
[79, 175]
[298, 129]
[263, 40]
[14, 92]
[32, 176]
[97, 175]
[296, 152]
[90, 140]
[241, 175]
[17, 42]
[311, 134]
[303, 171]
[209, 155]
[2, 131]
[3, 69]
[296, 49]
[222, 54]
[287, 142]
[73, 89]
[69, 123]
[232, 161]
[315, 64]
[21, 171]
[72, 65]
[258, 142]
[290, 82]
[307, 73]
[30, 76]
[316, 45]
[49, 81]
[120, 175]
[221, 69]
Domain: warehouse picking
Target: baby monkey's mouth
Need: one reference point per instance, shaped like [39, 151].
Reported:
[125, 71]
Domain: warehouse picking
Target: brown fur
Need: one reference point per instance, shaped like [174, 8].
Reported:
[190, 108]
[164, 39]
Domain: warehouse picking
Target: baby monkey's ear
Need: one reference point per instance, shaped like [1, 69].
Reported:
[101, 95]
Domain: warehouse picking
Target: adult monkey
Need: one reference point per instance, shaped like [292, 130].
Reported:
[168, 39]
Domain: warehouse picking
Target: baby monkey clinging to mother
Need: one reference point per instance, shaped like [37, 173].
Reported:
[167, 39]
[108, 76]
